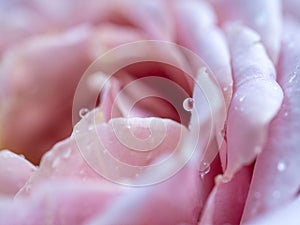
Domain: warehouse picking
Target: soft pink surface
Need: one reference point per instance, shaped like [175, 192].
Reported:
[276, 179]
[256, 100]
[140, 155]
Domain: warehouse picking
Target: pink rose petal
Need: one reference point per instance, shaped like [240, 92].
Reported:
[256, 100]
[14, 172]
[197, 30]
[276, 179]
[287, 214]
[44, 69]
[117, 150]
[226, 201]
[175, 201]
[291, 8]
[63, 202]
[263, 16]
[208, 118]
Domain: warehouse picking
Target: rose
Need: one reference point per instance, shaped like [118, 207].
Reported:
[256, 101]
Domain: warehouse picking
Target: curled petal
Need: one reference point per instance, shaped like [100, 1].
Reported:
[14, 172]
[262, 16]
[256, 100]
[198, 31]
[275, 178]
[43, 70]
[62, 202]
[169, 202]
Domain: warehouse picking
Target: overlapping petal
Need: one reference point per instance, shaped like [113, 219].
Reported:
[256, 100]
[275, 178]
[263, 16]
[14, 172]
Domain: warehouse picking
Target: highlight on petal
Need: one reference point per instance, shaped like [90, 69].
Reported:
[256, 100]
[276, 180]
[208, 118]
[15, 170]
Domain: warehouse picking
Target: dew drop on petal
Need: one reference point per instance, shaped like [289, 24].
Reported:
[91, 127]
[257, 149]
[286, 114]
[204, 169]
[67, 154]
[242, 98]
[188, 104]
[292, 78]
[281, 166]
[225, 179]
[276, 194]
[55, 162]
[83, 112]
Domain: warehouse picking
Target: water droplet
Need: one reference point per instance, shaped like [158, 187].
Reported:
[286, 114]
[292, 78]
[188, 104]
[83, 112]
[55, 162]
[276, 194]
[260, 19]
[204, 169]
[67, 153]
[236, 108]
[225, 88]
[257, 149]
[225, 179]
[242, 98]
[149, 156]
[22, 156]
[27, 187]
[91, 127]
[275, 88]
[281, 166]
